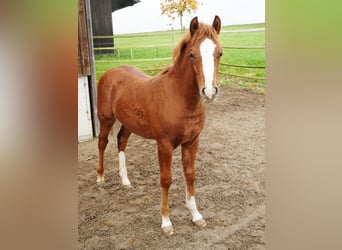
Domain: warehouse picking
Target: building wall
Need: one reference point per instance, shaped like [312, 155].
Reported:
[102, 25]
[101, 16]
[87, 98]
[85, 130]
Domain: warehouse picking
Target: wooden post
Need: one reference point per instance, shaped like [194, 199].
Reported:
[83, 47]
[92, 77]
[132, 56]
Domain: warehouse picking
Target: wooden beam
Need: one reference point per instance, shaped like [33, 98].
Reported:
[83, 48]
[92, 77]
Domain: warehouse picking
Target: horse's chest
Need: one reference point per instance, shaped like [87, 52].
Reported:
[194, 124]
[195, 121]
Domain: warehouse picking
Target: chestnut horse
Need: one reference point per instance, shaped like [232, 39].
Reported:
[168, 108]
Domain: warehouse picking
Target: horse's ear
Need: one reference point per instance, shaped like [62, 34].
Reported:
[217, 24]
[193, 25]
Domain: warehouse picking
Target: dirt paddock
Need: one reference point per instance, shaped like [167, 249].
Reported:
[230, 186]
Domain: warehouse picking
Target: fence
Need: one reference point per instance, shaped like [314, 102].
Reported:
[162, 45]
[243, 66]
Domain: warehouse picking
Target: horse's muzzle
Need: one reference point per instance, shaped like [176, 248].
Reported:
[209, 95]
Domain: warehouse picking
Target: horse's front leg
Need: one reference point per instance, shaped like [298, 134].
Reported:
[188, 160]
[165, 159]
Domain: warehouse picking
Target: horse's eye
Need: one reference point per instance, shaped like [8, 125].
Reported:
[220, 54]
[192, 55]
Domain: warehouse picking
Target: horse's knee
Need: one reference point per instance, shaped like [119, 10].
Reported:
[165, 181]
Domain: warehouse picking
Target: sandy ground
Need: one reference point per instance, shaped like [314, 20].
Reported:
[230, 186]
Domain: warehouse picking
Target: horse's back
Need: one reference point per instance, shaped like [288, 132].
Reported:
[133, 71]
[125, 72]
[119, 75]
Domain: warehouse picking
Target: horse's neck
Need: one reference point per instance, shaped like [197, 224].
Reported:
[184, 79]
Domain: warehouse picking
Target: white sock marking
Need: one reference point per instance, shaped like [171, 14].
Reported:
[100, 179]
[166, 221]
[122, 169]
[207, 52]
[191, 205]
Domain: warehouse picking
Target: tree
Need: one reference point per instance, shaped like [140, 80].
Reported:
[177, 8]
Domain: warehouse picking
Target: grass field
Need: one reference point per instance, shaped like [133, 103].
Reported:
[142, 50]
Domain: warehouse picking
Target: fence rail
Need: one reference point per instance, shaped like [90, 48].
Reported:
[242, 66]
[137, 47]
[242, 76]
[172, 36]
[135, 60]
[243, 47]
[141, 35]
[173, 44]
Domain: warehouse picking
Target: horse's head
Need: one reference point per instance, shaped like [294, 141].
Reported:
[204, 51]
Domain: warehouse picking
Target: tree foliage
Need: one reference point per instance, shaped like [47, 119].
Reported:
[177, 8]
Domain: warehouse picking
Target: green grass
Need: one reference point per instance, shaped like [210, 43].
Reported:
[243, 26]
[162, 45]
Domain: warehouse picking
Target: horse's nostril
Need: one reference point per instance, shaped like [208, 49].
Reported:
[202, 92]
[216, 90]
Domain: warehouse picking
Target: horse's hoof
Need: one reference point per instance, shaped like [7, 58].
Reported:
[200, 223]
[127, 186]
[126, 183]
[100, 180]
[167, 230]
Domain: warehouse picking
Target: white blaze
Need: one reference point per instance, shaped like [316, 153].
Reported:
[207, 52]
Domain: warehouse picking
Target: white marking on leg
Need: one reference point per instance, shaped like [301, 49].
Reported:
[191, 205]
[207, 48]
[122, 169]
[166, 221]
[166, 226]
[100, 179]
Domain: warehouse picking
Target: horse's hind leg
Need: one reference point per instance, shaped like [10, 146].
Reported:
[105, 126]
[122, 143]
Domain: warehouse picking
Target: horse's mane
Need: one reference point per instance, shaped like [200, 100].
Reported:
[203, 31]
[165, 70]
